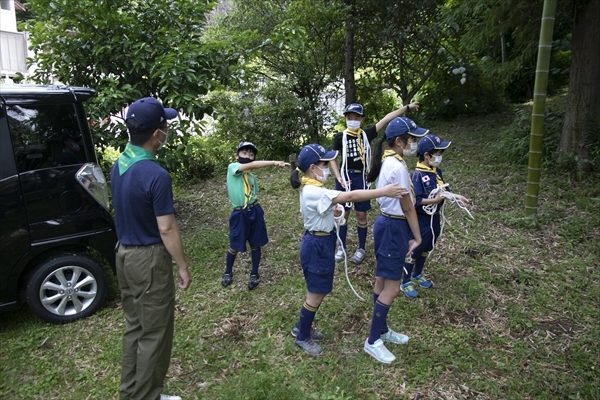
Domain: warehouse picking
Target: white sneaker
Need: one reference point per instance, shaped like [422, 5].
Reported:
[379, 352]
[339, 254]
[394, 337]
[167, 397]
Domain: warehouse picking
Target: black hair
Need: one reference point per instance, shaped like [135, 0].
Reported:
[139, 138]
[377, 153]
[422, 156]
[295, 179]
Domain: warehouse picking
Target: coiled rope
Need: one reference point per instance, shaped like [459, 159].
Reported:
[431, 209]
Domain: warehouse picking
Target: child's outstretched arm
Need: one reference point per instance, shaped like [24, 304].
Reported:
[262, 164]
[391, 190]
[396, 113]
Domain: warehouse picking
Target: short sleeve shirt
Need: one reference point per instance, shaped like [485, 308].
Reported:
[316, 206]
[235, 186]
[392, 171]
[353, 155]
[140, 195]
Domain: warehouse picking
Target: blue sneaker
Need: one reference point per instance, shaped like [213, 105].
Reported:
[409, 289]
[421, 281]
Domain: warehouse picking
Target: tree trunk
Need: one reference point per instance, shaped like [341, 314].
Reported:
[349, 85]
[582, 118]
[539, 108]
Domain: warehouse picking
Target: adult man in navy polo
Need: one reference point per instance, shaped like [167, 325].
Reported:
[149, 240]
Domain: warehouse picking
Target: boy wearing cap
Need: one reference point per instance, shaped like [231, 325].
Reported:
[247, 219]
[317, 249]
[353, 145]
[426, 177]
[149, 239]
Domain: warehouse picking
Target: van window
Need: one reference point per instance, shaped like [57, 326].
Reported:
[44, 136]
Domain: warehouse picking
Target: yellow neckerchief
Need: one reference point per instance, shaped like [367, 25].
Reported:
[247, 188]
[310, 181]
[361, 148]
[392, 153]
[431, 170]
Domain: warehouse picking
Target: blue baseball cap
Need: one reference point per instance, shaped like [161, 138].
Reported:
[147, 114]
[431, 142]
[355, 108]
[401, 125]
[248, 145]
[312, 154]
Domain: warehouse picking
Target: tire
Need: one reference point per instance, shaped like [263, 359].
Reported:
[65, 288]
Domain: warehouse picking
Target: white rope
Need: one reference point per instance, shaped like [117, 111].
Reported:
[366, 165]
[339, 221]
[430, 209]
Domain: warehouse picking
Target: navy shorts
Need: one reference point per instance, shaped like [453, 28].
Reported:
[357, 184]
[317, 257]
[390, 236]
[247, 225]
[426, 233]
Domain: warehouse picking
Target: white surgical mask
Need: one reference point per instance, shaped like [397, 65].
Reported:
[325, 172]
[75, 147]
[410, 152]
[352, 125]
[436, 161]
[161, 144]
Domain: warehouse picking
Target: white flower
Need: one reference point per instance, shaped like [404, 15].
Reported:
[463, 80]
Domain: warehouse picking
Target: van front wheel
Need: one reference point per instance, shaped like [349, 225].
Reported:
[66, 288]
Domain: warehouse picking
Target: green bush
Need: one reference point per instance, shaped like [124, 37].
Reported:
[513, 141]
[447, 95]
[271, 117]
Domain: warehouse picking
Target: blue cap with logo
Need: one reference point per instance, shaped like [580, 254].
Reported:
[312, 154]
[430, 143]
[248, 145]
[401, 125]
[355, 108]
[147, 114]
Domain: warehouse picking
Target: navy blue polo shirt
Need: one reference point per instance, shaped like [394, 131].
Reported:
[140, 195]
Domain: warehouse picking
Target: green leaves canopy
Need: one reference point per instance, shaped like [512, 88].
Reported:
[127, 50]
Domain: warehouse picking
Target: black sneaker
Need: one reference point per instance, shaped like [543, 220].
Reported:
[227, 279]
[253, 282]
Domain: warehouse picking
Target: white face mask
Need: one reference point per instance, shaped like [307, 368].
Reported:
[75, 147]
[161, 144]
[410, 152]
[436, 161]
[325, 172]
[352, 125]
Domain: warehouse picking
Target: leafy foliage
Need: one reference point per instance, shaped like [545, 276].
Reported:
[136, 49]
[270, 117]
[501, 38]
[296, 44]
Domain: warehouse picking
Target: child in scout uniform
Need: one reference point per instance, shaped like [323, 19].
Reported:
[426, 177]
[391, 231]
[353, 145]
[317, 249]
[247, 221]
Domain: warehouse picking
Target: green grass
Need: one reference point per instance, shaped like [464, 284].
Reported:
[514, 313]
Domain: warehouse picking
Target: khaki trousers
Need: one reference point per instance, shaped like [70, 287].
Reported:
[145, 275]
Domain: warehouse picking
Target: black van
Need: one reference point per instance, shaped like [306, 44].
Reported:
[56, 232]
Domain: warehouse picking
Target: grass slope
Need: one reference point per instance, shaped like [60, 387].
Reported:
[514, 313]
